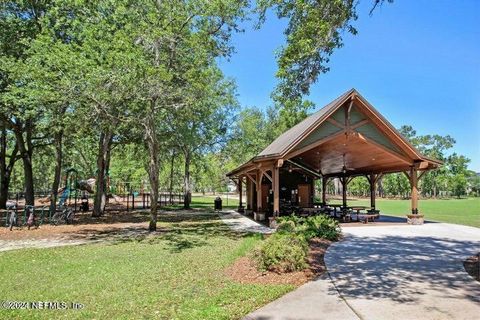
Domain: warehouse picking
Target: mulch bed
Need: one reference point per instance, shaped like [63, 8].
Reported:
[245, 271]
[472, 266]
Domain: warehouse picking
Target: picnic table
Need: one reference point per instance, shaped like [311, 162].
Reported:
[358, 209]
[310, 211]
[317, 204]
[367, 217]
[335, 206]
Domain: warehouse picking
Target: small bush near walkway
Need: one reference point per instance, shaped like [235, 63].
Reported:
[311, 227]
[282, 252]
[287, 249]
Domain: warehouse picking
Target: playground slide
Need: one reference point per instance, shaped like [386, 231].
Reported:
[64, 197]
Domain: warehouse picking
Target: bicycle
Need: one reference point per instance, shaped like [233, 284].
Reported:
[11, 217]
[65, 216]
[30, 217]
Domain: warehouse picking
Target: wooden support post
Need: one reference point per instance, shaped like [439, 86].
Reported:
[344, 190]
[240, 194]
[414, 185]
[373, 184]
[259, 191]
[276, 190]
[247, 192]
[324, 190]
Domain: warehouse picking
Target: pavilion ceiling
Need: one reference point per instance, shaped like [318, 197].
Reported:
[358, 154]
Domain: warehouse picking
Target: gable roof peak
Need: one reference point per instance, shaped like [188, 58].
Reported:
[290, 137]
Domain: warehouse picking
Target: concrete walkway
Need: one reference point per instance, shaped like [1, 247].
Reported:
[316, 300]
[407, 272]
[240, 223]
[389, 272]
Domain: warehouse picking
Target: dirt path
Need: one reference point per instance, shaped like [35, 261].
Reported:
[111, 227]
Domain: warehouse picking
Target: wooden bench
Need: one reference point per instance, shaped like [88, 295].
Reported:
[366, 217]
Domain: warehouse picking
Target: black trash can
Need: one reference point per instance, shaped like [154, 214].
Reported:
[218, 203]
[84, 205]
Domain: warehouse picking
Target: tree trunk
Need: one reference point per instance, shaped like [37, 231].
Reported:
[58, 170]
[4, 187]
[153, 166]
[187, 195]
[26, 150]
[172, 163]
[6, 168]
[107, 172]
[102, 162]
[4, 174]
[29, 187]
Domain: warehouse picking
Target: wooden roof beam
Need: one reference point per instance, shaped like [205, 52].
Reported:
[336, 123]
[314, 145]
[387, 150]
[306, 168]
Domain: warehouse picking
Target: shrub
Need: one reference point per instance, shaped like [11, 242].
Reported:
[282, 252]
[293, 218]
[322, 227]
[286, 226]
[311, 227]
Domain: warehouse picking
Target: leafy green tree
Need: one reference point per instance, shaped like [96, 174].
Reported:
[289, 113]
[446, 177]
[314, 31]
[203, 126]
[396, 184]
[180, 40]
[474, 183]
[359, 186]
[249, 136]
[458, 184]
[8, 158]
[19, 25]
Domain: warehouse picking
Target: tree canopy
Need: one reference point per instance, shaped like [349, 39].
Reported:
[130, 92]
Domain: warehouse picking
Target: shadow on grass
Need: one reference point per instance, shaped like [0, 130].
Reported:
[178, 231]
[139, 215]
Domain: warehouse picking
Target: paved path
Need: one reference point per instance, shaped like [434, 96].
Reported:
[389, 272]
[316, 300]
[407, 272]
[240, 223]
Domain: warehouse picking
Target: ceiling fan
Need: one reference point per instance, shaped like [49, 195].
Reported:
[319, 166]
[345, 168]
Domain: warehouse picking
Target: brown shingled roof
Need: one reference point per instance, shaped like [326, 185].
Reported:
[290, 137]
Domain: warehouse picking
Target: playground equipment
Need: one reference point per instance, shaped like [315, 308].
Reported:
[72, 184]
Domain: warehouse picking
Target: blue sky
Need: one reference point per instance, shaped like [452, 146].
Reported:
[417, 62]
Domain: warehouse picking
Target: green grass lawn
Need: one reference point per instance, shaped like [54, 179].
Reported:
[177, 274]
[459, 211]
[207, 202]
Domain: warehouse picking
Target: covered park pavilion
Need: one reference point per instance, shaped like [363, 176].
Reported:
[345, 139]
